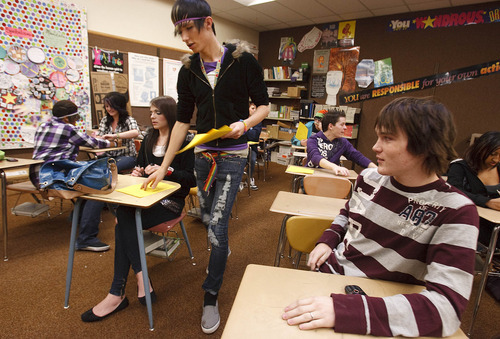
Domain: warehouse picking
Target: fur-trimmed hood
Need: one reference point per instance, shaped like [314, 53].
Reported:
[236, 47]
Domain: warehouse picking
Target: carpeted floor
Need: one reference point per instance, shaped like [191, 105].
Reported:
[32, 282]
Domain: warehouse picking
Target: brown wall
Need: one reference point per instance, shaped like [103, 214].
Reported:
[417, 53]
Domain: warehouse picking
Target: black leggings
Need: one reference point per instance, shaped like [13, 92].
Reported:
[126, 247]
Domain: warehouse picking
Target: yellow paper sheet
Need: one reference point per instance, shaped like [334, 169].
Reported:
[136, 191]
[301, 132]
[300, 169]
[206, 137]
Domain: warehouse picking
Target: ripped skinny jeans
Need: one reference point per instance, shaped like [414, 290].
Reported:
[216, 206]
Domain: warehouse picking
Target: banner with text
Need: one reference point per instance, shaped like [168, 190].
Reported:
[446, 20]
[441, 79]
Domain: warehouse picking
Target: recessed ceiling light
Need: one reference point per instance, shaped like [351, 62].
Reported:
[252, 2]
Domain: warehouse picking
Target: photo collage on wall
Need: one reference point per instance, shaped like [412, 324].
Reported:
[43, 59]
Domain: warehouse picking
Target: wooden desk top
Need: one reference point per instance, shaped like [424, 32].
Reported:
[489, 214]
[120, 198]
[322, 171]
[99, 150]
[307, 205]
[4, 164]
[265, 291]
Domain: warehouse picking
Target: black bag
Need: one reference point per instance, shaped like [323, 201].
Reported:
[69, 179]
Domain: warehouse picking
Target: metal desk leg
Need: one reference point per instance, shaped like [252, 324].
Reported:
[144, 266]
[71, 255]
[484, 277]
[4, 214]
[281, 242]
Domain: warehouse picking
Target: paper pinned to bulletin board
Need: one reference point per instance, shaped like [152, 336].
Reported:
[144, 78]
[45, 60]
[102, 84]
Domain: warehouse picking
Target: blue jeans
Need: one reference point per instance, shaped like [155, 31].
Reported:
[124, 163]
[91, 211]
[216, 206]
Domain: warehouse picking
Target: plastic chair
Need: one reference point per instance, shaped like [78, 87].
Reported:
[164, 246]
[303, 232]
[331, 187]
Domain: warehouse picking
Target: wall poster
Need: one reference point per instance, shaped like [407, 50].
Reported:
[144, 79]
[171, 70]
[43, 59]
[345, 60]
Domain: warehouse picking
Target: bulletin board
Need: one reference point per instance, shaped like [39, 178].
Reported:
[43, 59]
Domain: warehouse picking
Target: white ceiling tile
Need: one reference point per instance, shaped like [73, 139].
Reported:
[465, 2]
[376, 4]
[303, 22]
[294, 13]
[308, 9]
[427, 2]
[252, 16]
[280, 25]
[227, 16]
[223, 5]
[389, 11]
[356, 15]
[285, 14]
[426, 6]
[327, 19]
[343, 6]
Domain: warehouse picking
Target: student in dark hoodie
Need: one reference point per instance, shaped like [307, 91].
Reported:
[218, 80]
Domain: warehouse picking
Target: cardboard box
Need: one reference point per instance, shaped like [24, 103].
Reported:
[294, 91]
[284, 159]
[285, 150]
[285, 124]
[285, 135]
[273, 131]
[274, 156]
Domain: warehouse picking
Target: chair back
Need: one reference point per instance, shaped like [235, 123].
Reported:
[304, 231]
[331, 187]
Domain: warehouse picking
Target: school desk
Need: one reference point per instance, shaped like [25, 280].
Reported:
[4, 165]
[120, 198]
[265, 291]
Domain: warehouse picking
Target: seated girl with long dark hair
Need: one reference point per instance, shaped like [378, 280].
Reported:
[126, 249]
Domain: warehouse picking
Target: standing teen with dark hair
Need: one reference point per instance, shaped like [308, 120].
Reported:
[218, 80]
[403, 223]
[150, 157]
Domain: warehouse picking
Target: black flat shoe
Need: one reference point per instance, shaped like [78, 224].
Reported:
[89, 316]
[142, 300]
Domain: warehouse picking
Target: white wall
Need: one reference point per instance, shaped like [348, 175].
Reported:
[149, 21]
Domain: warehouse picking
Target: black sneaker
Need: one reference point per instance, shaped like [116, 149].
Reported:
[96, 247]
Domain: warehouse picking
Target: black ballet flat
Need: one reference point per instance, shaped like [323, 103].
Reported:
[89, 316]
[142, 300]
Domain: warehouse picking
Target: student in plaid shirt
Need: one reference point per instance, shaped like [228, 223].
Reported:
[59, 139]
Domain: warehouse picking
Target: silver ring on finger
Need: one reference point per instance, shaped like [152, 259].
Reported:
[311, 314]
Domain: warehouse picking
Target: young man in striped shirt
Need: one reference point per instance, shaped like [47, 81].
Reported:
[403, 223]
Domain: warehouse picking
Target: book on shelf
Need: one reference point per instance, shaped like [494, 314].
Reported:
[277, 73]
[314, 108]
